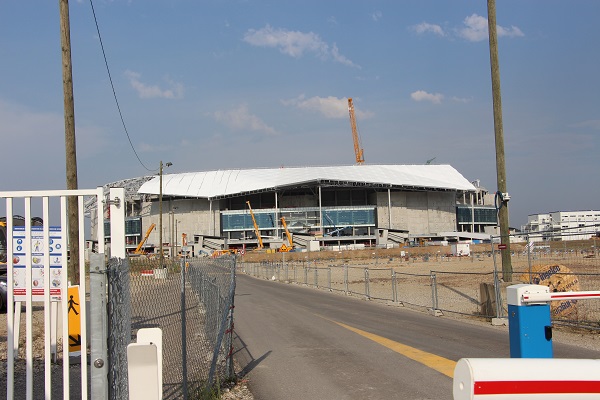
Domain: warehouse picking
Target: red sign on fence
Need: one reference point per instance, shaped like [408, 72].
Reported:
[501, 246]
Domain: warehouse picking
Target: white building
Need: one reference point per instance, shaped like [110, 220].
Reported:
[563, 225]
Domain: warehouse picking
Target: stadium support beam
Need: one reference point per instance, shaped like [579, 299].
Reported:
[389, 209]
[321, 212]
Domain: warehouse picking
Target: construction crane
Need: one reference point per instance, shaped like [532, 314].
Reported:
[138, 249]
[290, 246]
[358, 150]
[260, 243]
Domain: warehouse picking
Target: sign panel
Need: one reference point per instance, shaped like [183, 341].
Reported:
[55, 247]
[502, 246]
[74, 319]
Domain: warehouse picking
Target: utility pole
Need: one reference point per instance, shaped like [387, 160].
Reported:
[499, 137]
[70, 147]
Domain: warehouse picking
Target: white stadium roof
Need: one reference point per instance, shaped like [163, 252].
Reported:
[227, 183]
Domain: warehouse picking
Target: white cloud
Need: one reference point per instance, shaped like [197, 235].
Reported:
[294, 43]
[421, 95]
[592, 123]
[145, 91]
[425, 27]
[335, 53]
[330, 107]
[377, 15]
[462, 99]
[240, 119]
[476, 29]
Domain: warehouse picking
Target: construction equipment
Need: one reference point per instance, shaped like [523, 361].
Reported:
[224, 252]
[290, 246]
[138, 249]
[260, 242]
[358, 150]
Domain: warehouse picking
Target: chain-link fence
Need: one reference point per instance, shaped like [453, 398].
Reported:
[438, 290]
[473, 291]
[192, 303]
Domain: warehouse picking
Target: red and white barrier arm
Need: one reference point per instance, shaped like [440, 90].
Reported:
[526, 378]
[545, 297]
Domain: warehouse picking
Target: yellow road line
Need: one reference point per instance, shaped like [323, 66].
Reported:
[440, 364]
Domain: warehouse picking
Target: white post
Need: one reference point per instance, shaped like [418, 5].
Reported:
[117, 222]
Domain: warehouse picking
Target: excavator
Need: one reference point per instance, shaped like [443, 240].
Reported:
[290, 246]
[358, 150]
[256, 229]
[138, 249]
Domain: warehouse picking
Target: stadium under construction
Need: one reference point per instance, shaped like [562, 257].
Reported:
[315, 207]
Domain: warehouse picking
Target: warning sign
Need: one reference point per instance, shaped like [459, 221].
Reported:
[74, 313]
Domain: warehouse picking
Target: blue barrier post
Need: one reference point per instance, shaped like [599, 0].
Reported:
[529, 325]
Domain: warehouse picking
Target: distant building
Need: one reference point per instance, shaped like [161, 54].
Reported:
[563, 225]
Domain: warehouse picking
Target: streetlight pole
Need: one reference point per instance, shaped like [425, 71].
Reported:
[160, 211]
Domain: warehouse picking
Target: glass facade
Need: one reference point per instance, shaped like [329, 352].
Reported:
[241, 221]
[483, 215]
[299, 219]
[133, 227]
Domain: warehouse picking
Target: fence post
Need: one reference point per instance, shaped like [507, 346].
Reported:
[183, 331]
[316, 277]
[394, 287]
[367, 294]
[346, 279]
[434, 296]
[497, 286]
[306, 275]
[230, 366]
[329, 278]
[98, 327]
[529, 258]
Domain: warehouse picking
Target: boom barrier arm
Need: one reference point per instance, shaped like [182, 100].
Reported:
[545, 297]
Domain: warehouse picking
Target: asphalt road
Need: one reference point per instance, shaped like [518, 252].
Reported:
[298, 343]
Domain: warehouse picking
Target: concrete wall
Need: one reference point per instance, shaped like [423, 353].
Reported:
[298, 201]
[192, 215]
[418, 212]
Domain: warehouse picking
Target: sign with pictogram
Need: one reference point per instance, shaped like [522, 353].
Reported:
[32, 256]
[74, 315]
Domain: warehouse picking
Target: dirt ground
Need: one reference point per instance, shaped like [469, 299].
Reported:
[578, 256]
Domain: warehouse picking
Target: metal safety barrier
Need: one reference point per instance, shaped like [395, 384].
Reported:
[526, 378]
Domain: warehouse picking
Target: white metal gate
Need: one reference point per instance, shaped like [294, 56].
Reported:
[37, 273]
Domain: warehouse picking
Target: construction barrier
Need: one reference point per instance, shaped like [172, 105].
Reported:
[526, 378]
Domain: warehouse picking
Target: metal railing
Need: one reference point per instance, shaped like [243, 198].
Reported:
[37, 266]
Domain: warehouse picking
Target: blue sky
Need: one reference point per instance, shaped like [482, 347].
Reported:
[237, 84]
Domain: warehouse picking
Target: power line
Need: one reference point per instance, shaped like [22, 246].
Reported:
[115, 93]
